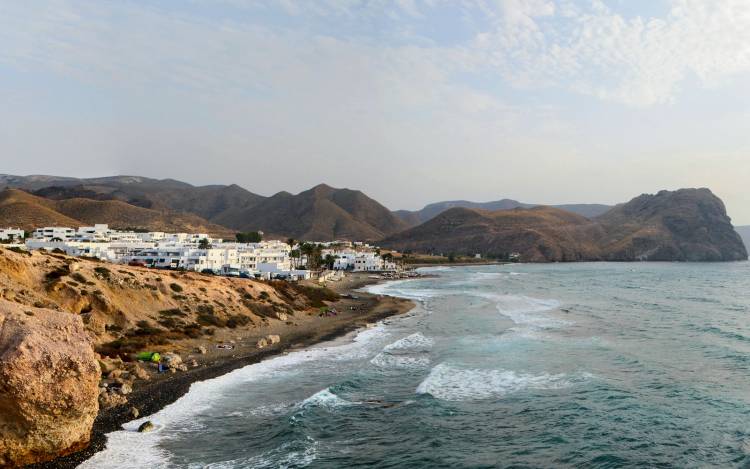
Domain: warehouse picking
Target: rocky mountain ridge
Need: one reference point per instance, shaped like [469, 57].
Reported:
[683, 225]
[689, 224]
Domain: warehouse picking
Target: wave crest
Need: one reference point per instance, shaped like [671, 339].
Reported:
[451, 383]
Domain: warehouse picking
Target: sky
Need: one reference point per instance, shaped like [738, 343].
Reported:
[410, 101]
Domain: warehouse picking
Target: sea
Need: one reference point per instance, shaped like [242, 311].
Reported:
[595, 365]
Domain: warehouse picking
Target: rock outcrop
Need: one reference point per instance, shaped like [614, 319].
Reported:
[683, 225]
[49, 379]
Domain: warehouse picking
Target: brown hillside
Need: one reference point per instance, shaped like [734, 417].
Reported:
[684, 225]
[538, 234]
[18, 208]
[126, 308]
[319, 214]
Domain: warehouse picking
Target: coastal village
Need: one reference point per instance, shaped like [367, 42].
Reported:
[272, 259]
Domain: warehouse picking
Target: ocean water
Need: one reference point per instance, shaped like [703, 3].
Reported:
[560, 365]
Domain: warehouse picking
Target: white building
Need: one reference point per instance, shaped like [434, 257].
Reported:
[54, 233]
[11, 234]
[368, 262]
[267, 259]
[365, 260]
[96, 233]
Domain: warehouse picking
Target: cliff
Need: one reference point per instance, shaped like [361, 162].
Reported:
[683, 225]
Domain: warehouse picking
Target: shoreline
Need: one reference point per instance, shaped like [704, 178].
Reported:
[150, 397]
[458, 264]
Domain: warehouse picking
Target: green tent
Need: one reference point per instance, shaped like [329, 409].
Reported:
[149, 357]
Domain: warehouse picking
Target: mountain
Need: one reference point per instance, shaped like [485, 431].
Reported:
[207, 202]
[321, 213]
[318, 214]
[19, 209]
[684, 225]
[539, 234]
[27, 211]
[413, 218]
[744, 232]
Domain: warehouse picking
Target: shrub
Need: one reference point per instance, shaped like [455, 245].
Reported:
[316, 295]
[238, 320]
[207, 319]
[18, 250]
[78, 277]
[176, 287]
[172, 312]
[103, 271]
[58, 273]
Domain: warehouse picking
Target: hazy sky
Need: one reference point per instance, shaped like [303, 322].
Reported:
[411, 101]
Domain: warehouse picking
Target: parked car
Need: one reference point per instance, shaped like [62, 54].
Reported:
[208, 271]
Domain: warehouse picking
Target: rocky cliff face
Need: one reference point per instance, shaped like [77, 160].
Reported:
[49, 380]
[684, 225]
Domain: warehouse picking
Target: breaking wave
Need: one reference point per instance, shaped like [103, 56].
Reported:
[413, 343]
[325, 399]
[451, 383]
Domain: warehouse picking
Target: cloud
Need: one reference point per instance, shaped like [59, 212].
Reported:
[637, 61]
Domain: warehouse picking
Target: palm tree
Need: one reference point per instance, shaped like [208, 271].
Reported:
[307, 250]
[291, 242]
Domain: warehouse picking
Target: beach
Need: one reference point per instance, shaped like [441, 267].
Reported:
[355, 310]
[519, 365]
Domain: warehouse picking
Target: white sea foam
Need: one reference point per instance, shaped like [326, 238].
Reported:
[270, 410]
[451, 383]
[180, 414]
[326, 399]
[416, 342]
[298, 453]
[433, 269]
[400, 362]
[524, 310]
[401, 288]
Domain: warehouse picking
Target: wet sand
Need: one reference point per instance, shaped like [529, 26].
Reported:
[307, 329]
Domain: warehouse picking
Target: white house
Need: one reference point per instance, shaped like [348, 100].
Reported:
[11, 234]
[97, 233]
[368, 262]
[54, 233]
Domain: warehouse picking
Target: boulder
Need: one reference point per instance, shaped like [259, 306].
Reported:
[125, 389]
[137, 371]
[263, 342]
[134, 412]
[273, 339]
[107, 400]
[49, 384]
[282, 316]
[146, 426]
[171, 360]
[201, 349]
